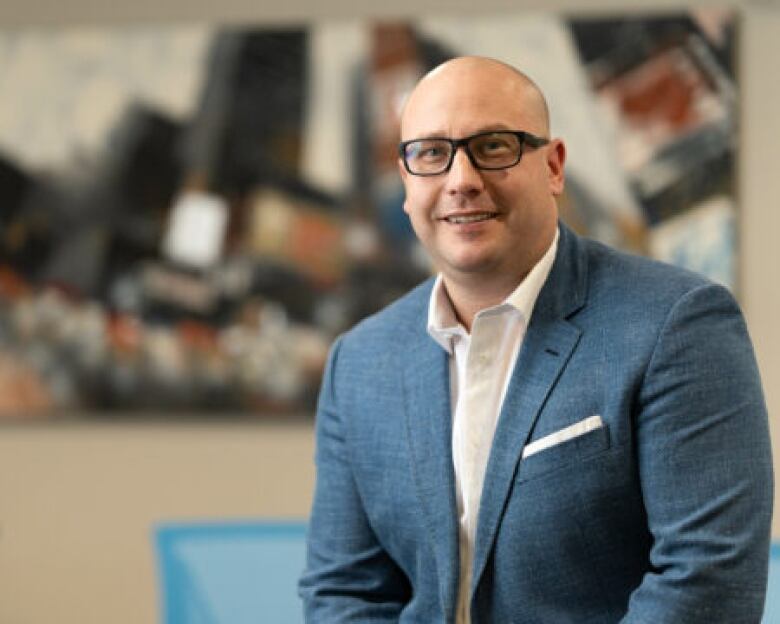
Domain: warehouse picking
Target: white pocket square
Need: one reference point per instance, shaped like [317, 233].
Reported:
[567, 433]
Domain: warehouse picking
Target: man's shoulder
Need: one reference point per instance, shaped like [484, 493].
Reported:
[624, 291]
[621, 276]
[397, 321]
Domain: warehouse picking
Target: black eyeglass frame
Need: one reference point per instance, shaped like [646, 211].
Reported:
[525, 138]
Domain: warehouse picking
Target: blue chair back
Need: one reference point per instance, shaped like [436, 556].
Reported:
[772, 609]
[230, 572]
[247, 572]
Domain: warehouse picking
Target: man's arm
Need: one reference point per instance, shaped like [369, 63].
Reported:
[348, 577]
[706, 469]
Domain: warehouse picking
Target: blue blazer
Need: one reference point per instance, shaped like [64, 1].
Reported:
[660, 516]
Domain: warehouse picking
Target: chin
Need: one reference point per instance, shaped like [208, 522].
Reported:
[473, 259]
[471, 266]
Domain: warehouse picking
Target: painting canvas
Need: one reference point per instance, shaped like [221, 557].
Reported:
[190, 214]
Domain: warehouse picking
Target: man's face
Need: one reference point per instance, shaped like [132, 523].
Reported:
[478, 223]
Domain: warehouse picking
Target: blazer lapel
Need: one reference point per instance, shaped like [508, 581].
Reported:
[429, 429]
[548, 344]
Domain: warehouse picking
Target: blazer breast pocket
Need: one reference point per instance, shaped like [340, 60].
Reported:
[570, 451]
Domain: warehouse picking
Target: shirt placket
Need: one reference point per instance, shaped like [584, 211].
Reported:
[480, 395]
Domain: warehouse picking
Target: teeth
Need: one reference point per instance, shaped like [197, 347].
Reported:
[472, 218]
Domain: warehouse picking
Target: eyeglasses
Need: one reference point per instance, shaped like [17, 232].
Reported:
[498, 149]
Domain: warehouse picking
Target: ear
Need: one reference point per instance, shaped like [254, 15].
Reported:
[556, 156]
[404, 178]
[402, 170]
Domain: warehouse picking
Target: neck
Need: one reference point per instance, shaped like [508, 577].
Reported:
[471, 292]
[470, 296]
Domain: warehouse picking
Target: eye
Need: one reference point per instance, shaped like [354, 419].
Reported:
[429, 151]
[492, 146]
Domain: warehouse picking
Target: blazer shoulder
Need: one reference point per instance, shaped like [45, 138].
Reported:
[621, 278]
[399, 321]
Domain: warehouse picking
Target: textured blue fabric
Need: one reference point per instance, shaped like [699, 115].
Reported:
[660, 517]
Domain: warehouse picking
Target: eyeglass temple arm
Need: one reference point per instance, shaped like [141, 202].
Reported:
[533, 140]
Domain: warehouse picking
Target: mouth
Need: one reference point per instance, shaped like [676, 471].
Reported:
[472, 217]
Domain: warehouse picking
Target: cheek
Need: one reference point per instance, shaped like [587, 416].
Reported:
[527, 197]
[419, 202]
[419, 220]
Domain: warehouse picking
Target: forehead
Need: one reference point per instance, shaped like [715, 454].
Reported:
[463, 101]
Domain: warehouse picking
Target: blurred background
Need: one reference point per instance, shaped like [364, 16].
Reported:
[192, 213]
[192, 205]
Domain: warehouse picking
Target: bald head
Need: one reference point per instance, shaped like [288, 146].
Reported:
[472, 83]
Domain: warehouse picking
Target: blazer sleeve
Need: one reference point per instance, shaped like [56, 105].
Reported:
[705, 466]
[348, 577]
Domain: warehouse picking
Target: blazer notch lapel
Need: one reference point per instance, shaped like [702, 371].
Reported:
[543, 357]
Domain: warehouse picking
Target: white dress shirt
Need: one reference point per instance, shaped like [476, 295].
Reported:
[481, 365]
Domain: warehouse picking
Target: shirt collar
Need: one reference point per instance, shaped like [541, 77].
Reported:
[443, 325]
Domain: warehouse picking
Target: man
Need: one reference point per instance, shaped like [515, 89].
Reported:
[550, 431]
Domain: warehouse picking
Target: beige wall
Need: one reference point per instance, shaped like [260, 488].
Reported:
[759, 189]
[77, 501]
[77, 504]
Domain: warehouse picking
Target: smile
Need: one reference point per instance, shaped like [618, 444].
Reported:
[470, 218]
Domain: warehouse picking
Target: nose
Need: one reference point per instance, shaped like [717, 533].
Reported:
[463, 178]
